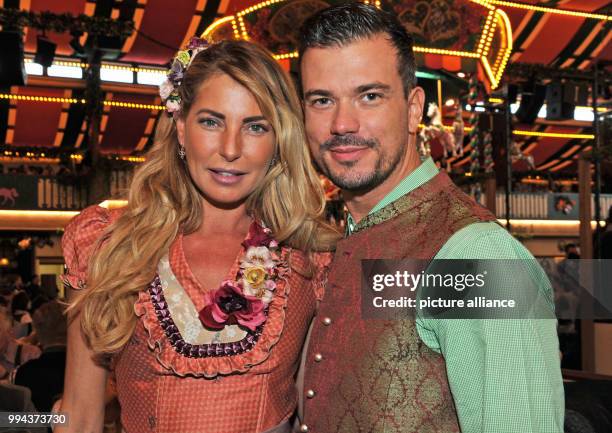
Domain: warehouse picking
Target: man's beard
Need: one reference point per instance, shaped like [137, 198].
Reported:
[355, 182]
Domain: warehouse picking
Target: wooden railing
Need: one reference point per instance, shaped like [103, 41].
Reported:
[55, 194]
[536, 205]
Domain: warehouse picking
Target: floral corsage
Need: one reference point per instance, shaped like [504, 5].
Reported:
[244, 301]
[168, 90]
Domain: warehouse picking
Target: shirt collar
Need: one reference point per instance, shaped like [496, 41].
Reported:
[422, 174]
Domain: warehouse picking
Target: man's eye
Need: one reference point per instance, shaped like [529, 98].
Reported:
[371, 97]
[320, 102]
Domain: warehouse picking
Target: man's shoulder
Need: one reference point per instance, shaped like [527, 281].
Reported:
[483, 240]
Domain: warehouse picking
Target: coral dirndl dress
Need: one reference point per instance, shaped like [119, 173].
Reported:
[176, 376]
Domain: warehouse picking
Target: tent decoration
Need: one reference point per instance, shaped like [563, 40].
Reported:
[56, 107]
[457, 35]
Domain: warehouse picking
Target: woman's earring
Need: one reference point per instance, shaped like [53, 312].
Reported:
[181, 152]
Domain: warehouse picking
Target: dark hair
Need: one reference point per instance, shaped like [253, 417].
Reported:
[50, 323]
[20, 301]
[569, 247]
[339, 25]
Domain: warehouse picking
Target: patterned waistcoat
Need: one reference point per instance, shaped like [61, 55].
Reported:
[377, 376]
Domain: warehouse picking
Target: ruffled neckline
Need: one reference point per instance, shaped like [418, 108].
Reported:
[169, 346]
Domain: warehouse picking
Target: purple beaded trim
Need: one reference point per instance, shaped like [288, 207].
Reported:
[195, 350]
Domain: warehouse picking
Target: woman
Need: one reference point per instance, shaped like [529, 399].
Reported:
[227, 185]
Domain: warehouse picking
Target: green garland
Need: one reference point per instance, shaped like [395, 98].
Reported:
[489, 164]
[65, 23]
[473, 123]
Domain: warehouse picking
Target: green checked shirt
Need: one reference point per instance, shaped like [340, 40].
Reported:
[505, 375]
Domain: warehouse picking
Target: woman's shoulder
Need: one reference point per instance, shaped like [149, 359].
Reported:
[80, 238]
[92, 218]
[312, 263]
[323, 259]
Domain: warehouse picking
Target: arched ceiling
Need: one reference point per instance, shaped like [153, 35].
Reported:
[539, 37]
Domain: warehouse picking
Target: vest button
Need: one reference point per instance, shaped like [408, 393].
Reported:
[327, 321]
[318, 357]
[304, 428]
[310, 393]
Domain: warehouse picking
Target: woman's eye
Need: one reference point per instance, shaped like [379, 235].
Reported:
[257, 128]
[209, 122]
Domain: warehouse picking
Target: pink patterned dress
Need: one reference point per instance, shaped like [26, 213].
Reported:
[173, 375]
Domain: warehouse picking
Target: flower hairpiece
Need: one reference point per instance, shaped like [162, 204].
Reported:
[168, 90]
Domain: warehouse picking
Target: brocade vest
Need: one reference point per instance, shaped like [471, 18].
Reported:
[374, 375]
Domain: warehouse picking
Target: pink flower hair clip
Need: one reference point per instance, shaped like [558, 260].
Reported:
[168, 90]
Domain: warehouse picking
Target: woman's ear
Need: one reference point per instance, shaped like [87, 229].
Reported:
[416, 100]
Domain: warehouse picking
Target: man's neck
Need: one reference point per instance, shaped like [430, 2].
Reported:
[360, 204]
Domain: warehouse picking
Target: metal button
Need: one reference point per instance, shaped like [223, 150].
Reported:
[318, 357]
[304, 428]
[310, 393]
[327, 321]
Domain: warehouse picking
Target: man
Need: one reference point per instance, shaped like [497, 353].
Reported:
[13, 353]
[44, 376]
[362, 112]
[33, 288]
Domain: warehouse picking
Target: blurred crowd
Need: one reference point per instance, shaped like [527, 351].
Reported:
[32, 347]
[33, 334]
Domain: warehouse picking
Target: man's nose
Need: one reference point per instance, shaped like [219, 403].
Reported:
[345, 120]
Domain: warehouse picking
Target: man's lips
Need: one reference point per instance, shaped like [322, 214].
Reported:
[347, 153]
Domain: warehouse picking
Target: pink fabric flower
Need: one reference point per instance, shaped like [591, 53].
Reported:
[172, 106]
[257, 237]
[257, 256]
[229, 306]
[165, 89]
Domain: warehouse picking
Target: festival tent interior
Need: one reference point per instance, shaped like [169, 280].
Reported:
[518, 112]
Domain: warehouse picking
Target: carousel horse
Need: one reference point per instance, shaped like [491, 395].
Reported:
[423, 146]
[516, 154]
[436, 131]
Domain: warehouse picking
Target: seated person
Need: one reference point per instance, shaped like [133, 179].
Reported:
[44, 376]
[12, 353]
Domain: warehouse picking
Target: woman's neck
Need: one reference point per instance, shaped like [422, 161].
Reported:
[218, 221]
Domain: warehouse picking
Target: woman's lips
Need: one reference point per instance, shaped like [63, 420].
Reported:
[226, 177]
[347, 153]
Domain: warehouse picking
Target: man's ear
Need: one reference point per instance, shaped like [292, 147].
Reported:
[416, 100]
[180, 130]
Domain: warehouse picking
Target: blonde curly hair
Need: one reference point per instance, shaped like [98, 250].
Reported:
[163, 200]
